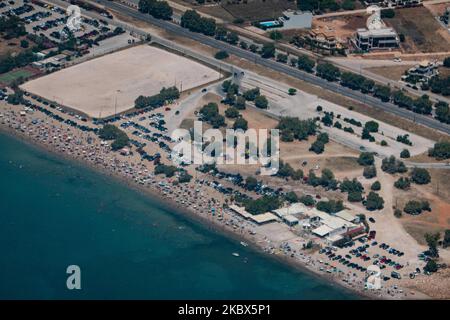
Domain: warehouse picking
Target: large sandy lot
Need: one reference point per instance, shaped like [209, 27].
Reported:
[94, 86]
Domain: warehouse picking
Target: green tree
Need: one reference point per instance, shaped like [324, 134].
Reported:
[370, 172]
[374, 202]
[268, 50]
[240, 103]
[261, 102]
[402, 183]
[383, 93]
[420, 176]
[376, 186]
[275, 35]
[432, 242]
[328, 71]
[431, 266]
[440, 151]
[240, 123]
[371, 126]
[405, 154]
[232, 112]
[251, 183]
[317, 147]
[307, 200]
[366, 159]
[305, 63]
[220, 55]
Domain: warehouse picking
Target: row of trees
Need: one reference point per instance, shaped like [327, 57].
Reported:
[158, 100]
[440, 151]
[157, 9]
[196, 23]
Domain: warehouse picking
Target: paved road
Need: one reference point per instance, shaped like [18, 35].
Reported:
[273, 65]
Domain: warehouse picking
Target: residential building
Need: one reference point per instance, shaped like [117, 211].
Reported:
[376, 39]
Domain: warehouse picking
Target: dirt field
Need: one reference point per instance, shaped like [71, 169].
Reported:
[422, 32]
[438, 194]
[391, 72]
[343, 26]
[93, 86]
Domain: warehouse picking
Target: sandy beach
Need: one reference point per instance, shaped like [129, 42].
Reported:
[195, 199]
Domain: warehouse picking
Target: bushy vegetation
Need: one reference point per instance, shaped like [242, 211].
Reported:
[366, 159]
[294, 128]
[326, 180]
[157, 8]
[440, 151]
[196, 23]
[402, 183]
[220, 55]
[111, 132]
[164, 96]
[12, 27]
[210, 113]
[331, 206]
[328, 71]
[370, 172]
[262, 204]
[318, 146]
[376, 186]
[420, 176]
[305, 63]
[405, 154]
[167, 170]
[307, 200]
[392, 165]
[416, 207]
[374, 201]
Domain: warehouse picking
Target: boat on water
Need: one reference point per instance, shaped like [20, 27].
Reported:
[245, 244]
[235, 254]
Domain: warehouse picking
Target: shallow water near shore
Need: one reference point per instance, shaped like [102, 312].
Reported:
[55, 213]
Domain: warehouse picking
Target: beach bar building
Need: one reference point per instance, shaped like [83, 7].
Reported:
[259, 219]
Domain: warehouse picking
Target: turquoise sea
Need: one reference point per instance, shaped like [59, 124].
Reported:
[55, 213]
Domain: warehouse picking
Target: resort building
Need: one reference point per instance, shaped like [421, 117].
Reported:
[259, 219]
[383, 38]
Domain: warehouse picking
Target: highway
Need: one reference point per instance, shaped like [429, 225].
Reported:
[279, 67]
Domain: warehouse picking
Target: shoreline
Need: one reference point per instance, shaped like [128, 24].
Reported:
[59, 139]
[187, 213]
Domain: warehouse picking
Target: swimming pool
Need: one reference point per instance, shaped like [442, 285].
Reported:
[270, 24]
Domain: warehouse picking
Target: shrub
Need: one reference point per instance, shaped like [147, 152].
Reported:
[374, 202]
[232, 112]
[354, 196]
[405, 154]
[376, 186]
[420, 176]
[402, 183]
[370, 172]
[440, 151]
[261, 102]
[415, 207]
[222, 54]
[366, 159]
[307, 200]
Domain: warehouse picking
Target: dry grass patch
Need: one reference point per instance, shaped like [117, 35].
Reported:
[422, 32]
[391, 72]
